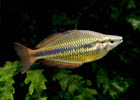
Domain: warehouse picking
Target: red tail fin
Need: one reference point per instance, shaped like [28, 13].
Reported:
[24, 53]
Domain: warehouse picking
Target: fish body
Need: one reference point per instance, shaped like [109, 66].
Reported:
[69, 49]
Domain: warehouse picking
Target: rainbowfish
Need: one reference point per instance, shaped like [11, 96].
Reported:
[69, 49]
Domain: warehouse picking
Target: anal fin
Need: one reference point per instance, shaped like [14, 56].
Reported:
[60, 64]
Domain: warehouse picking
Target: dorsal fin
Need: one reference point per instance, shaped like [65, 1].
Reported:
[49, 39]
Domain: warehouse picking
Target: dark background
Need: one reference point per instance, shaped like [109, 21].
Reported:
[28, 22]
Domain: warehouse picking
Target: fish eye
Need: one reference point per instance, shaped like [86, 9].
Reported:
[112, 41]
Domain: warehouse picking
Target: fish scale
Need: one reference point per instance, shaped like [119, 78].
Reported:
[71, 54]
[71, 41]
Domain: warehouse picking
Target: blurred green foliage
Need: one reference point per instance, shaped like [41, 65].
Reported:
[114, 86]
[61, 18]
[115, 13]
[102, 82]
[131, 4]
[134, 21]
[73, 87]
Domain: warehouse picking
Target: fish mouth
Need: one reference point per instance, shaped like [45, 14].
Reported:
[120, 39]
[119, 42]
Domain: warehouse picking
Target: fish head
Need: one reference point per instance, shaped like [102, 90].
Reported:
[109, 42]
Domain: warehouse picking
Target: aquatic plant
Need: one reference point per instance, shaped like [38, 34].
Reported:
[72, 86]
[6, 80]
[35, 78]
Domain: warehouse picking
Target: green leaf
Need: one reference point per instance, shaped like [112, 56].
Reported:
[73, 86]
[60, 74]
[119, 85]
[113, 87]
[102, 79]
[115, 13]
[37, 84]
[6, 80]
[63, 83]
[94, 66]
[90, 91]
[84, 96]
[134, 21]
[131, 4]
[123, 58]
[136, 50]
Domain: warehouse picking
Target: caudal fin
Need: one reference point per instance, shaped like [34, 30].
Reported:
[25, 56]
